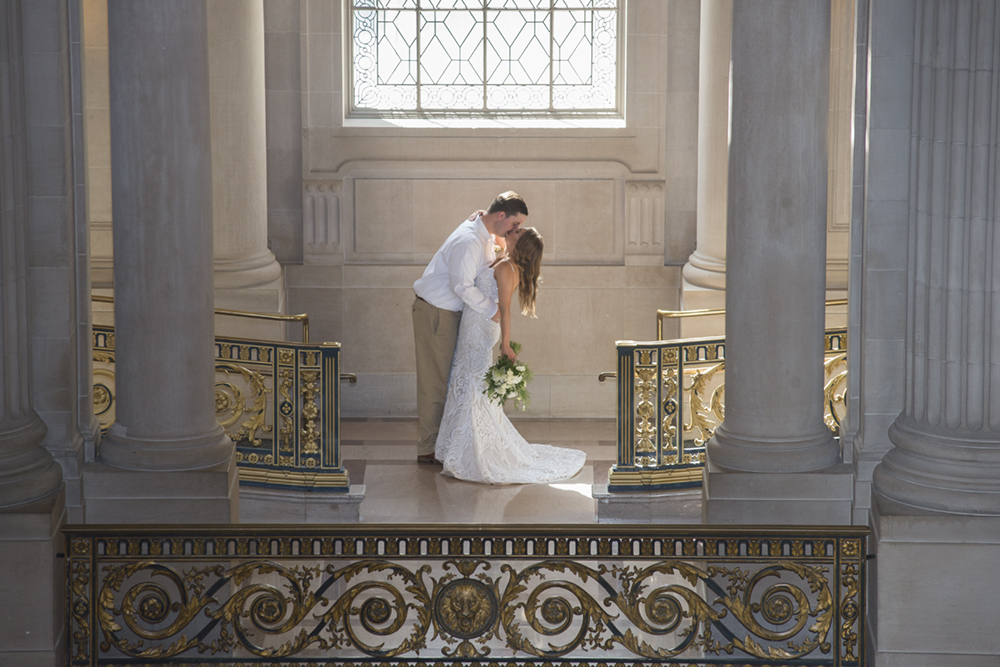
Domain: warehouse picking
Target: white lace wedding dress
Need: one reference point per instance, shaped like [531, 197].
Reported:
[476, 441]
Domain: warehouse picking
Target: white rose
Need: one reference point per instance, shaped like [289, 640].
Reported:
[520, 368]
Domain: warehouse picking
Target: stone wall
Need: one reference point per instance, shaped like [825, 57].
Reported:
[614, 204]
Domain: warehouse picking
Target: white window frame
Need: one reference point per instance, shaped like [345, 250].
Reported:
[353, 111]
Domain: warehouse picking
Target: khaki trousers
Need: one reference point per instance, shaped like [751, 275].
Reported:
[435, 333]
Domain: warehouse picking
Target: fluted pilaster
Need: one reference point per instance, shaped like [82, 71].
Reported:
[162, 208]
[776, 240]
[947, 439]
[27, 471]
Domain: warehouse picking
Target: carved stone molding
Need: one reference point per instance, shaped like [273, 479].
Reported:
[321, 222]
[644, 218]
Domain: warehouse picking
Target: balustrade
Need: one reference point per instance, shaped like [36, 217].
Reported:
[671, 397]
[278, 401]
[463, 595]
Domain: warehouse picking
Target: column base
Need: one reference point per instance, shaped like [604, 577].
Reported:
[33, 584]
[114, 495]
[772, 455]
[660, 507]
[949, 472]
[136, 453]
[936, 603]
[279, 506]
[822, 497]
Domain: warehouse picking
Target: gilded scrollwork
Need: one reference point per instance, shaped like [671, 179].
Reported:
[342, 598]
[645, 409]
[706, 415]
[231, 404]
[849, 609]
[834, 391]
[668, 425]
[310, 412]
[286, 410]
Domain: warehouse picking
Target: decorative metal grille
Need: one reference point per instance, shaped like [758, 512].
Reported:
[465, 596]
[476, 57]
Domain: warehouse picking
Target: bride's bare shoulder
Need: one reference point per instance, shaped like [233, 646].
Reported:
[505, 270]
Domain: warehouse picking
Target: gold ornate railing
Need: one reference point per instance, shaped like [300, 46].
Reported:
[462, 595]
[671, 397]
[278, 401]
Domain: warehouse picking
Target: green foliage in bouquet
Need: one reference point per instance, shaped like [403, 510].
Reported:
[508, 379]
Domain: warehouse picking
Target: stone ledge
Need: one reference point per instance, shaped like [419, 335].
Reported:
[660, 507]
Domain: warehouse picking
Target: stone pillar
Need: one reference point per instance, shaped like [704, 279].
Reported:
[247, 277]
[704, 283]
[936, 493]
[32, 505]
[27, 471]
[947, 438]
[162, 208]
[776, 264]
[706, 267]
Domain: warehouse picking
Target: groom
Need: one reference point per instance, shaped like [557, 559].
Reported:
[444, 289]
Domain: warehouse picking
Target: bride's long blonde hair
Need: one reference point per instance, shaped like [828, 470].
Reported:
[527, 257]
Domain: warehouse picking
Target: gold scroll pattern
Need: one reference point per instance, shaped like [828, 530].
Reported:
[231, 403]
[287, 422]
[645, 409]
[549, 608]
[834, 390]
[849, 609]
[706, 403]
[668, 424]
[310, 413]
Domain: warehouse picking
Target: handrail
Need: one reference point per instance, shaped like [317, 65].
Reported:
[301, 317]
[677, 314]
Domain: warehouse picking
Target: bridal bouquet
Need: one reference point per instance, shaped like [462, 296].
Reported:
[508, 379]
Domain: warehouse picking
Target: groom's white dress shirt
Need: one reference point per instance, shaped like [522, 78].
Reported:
[448, 281]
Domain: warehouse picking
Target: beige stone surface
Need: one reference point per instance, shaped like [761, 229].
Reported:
[815, 498]
[116, 495]
[33, 583]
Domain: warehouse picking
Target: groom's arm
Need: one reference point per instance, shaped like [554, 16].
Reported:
[462, 267]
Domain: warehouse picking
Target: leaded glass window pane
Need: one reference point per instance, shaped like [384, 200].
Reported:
[473, 57]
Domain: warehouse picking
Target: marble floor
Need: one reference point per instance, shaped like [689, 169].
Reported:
[381, 455]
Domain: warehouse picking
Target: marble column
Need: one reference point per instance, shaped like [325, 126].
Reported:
[704, 283]
[947, 438]
[162, 208]
[247, 276]
[32, 502]
[776, 241]
[27, 470]
[706, 267]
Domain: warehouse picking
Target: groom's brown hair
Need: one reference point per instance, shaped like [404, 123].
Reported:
[510, 203]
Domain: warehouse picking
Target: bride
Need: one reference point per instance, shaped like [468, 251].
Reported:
[476, 441]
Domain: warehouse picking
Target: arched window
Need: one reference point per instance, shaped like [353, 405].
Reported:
[474, 58]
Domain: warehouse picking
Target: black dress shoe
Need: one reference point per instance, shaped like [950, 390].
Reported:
[426, 458]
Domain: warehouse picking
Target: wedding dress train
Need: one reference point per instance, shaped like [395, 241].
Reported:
[476, 441]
